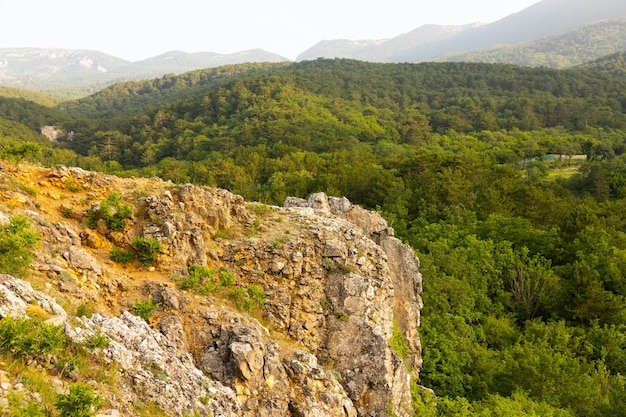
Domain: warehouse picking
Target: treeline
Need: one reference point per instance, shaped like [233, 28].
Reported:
[523, 247]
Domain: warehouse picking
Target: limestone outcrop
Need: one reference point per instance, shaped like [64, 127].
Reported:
[292, 317]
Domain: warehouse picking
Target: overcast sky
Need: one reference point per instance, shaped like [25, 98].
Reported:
[138, 29]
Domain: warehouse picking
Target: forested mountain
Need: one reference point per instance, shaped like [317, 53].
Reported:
[509, 182]
[560, 51]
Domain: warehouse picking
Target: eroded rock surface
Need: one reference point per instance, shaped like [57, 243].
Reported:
[336, 284]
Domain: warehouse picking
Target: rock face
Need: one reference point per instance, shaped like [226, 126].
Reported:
[336, 287]
[380, 288]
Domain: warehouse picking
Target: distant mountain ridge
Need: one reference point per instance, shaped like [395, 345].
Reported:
[49, 69]
[382, 50]
[553, 33]
[544, 19]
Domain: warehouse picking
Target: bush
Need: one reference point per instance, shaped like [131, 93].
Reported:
[257, 295]
[144, 309]
[30, 337]
[249, 298]
[84, 311]
[199, 278]
[79, 402]
[19, 407]
[147, 249]
[329, 264]
[96, 341]
[227, 279]
[17, 240]
[113, 211]
[122, 256]
[398, 343]
[67, 212]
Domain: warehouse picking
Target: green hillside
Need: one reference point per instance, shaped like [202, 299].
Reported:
[12, 92]
[509, 182]
[572, 48]
[614, 64]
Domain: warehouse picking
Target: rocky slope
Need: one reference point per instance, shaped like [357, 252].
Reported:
[262, 311]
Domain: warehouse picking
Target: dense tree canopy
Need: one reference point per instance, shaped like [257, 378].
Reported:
[509, 183]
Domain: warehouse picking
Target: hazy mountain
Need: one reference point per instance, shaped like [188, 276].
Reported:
[541, 20]
[382, 50]
[178, 62]
[572, 48]
[87, 71]
[40, 69]
[338, 48]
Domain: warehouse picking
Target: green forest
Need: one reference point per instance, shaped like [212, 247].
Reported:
[509, 183]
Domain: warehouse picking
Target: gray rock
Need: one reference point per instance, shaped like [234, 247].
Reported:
[79, 258]
[18, 294]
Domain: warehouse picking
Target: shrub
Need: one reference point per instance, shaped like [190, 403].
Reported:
[67, 212]
[144, 309]
[257, 294]
[79, 402]
[341, 315]
[398, 343]
[147, 249]
[30, 337]
[113, 211]
[329, 264]
[96, 341]
[122, 256]
[192, 282]
[83, 311]
[227, 279]
[17, 240]
[19, 407]
[249, 298]
[199, 278]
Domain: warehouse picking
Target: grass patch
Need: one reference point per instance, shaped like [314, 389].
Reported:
[225, 234]
[258, 209]
[73, 186]
[278, 241]
[398, 343]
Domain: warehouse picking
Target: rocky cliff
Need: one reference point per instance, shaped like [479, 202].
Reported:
[258, 310]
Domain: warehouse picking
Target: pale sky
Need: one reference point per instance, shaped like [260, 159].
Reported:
[139, 29]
